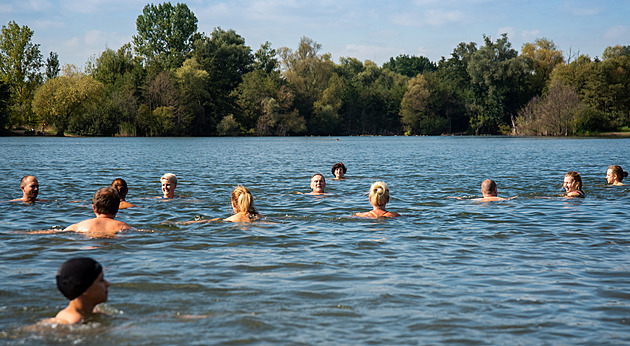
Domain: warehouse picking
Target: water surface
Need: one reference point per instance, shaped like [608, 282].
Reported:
[539, 269]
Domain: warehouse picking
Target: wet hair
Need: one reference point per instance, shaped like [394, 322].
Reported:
[338, 165]
[243, 200]
[618, 172]
[577, 179]
[488, 186]
[25, 179]
[76, 275]
[170, 177]
[121, 186]
[106, 201]
[379, 193]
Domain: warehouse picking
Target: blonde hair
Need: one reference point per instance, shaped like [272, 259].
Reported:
[243, 201]
[577, 179]
[379, 193]
[170, 177]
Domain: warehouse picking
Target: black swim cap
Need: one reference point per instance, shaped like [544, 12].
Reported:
[76, 275]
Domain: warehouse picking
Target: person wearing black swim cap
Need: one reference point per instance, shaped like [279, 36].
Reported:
[80, 280]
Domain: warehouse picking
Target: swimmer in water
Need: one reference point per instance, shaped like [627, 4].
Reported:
[338, 170]
[379, 197]
[318, 184]
[489, 192]
[573, 185]
[105, 205]
[615, 175]
[169, 183]
[121, 186]
[30, 190]
[80, 280]
[243, 206]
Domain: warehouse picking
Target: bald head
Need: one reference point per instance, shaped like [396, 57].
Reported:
[489, 188]
[30, 188]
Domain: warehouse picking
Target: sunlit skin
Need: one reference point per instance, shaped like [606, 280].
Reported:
[339, 173]
[377, 211]
[612, 178]
[168, 188]
[82, 307]
[570, 186]
[30, 190]
[318, 184]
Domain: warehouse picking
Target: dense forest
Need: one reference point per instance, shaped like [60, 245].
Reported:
[172, 80]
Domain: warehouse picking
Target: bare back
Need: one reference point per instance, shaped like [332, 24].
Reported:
[99, 227]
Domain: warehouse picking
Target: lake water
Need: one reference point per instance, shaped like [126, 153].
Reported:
[539, 269]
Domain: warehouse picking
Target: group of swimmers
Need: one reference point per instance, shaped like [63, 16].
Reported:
[81, 280]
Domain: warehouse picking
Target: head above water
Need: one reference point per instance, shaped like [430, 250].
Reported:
[318, 183]
[106, 201]
[169, 183]
[243, 201]
[121, 186]
[342, 170]
[572, 181]
[76, 275]
[489, 188]
[30, 188]
[615, 174]
[379, 194]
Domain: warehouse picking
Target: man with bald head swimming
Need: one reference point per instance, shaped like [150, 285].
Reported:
[30, 190]
[489, 191]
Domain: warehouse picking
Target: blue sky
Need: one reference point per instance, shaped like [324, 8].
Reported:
[368, 30]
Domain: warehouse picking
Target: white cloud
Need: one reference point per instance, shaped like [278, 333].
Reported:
[530, 35]
[579, 9]
[618, 33]
[436, 18]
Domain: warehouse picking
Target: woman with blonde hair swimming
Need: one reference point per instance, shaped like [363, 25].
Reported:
[243, 205]
[615, 175]
[379, 197]
[573, 184]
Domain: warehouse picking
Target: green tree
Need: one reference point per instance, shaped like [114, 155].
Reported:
[227, 59]
[257, 86]
[414, 105]
[20, 64]
[308, 74]
[279, 117]
[165, 33]
[455, 86]
[123, 77]
[500, 82]
[266, 58]
[410, 66]
[52, 66]
[543, 56]
[62, 100]
[5, 98]
[192, 82]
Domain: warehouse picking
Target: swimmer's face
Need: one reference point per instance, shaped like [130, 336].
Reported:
[610, 177]
[97, 292]
[31, 189]
[568, 183]
[318, 184]
[339, 173]
[168, 188]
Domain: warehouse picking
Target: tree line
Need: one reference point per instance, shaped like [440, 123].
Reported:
[172, 80]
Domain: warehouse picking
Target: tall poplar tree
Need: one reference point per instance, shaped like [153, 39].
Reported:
[166, 34]
[20, 64]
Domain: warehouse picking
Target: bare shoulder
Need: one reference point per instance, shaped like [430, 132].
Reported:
[365, 214]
